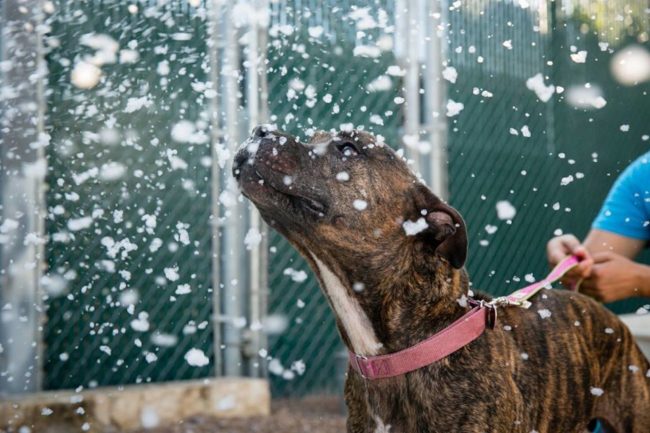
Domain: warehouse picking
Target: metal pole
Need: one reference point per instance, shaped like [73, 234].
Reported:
[22, 196]
[435, 95]
[264, 245]
[553, 47]
[256, 263]
[232, 253]
[216, 133]
[412, 84]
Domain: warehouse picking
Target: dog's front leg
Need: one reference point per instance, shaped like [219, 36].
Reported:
[359, 419]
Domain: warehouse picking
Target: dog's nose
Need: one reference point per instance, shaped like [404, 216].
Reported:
[259, 131]
[241, 157]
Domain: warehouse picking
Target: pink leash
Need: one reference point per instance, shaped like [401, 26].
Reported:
[457, 335]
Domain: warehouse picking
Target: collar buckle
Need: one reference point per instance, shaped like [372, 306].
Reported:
[359, 365]
[491, 306]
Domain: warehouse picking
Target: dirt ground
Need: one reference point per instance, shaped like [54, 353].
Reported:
[316, 414]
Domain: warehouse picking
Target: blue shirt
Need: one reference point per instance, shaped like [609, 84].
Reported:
[626, 210]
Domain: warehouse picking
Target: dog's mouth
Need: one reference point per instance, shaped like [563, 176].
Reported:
[267, 187]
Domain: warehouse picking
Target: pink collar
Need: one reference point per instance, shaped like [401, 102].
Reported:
[457, 335]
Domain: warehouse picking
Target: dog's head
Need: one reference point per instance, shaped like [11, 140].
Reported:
[347, 196]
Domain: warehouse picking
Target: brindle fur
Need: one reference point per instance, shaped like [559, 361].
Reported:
[527, 374]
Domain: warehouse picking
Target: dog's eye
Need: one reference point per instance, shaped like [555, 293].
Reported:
[347, 148]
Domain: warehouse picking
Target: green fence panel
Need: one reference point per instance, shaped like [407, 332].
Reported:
[510, 146]
[502, 152]
[601, 143]
[129, 255]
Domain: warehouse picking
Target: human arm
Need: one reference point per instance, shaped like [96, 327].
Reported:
[619, 232]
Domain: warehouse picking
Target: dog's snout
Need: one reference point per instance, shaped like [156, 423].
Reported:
[240, 159]
[259, 131]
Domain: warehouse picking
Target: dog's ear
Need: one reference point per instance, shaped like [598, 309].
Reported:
[445, 232]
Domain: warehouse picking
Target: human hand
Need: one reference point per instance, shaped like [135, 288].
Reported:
[560, 247]
[614, 277]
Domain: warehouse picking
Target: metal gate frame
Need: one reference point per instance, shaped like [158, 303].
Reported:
[22, 194]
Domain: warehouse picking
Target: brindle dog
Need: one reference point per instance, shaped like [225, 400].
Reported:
[342, 200]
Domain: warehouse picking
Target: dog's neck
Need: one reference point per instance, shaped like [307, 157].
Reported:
[425, 300]
[381, 310]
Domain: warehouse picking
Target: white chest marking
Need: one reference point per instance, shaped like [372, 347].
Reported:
[349, 312]
[380, 426]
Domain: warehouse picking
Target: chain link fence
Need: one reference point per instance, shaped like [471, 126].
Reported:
[129, 259]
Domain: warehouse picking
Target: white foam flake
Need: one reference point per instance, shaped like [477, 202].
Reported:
[129, 297]
[536, 84]
[376, 119]
[171, 273]
[412, 228]
[631, 65]
[587, 96]
[185, 131]
[129, 56]
[454, 108]
[298, 276]
[395, 71]
[135, 104]
[54, 285]
[359, 204]
[8, 225]
[371, 51]
[299, 367]
[544, 313]
[164, 340]
[316, 31]
[196, 358]
[85, 75]
[450, 74]
[566, 180]
[253, 238]
[36, 169]
[342, 176]
[76, 224]
[112, 171]
[183, 235]
[596, 391]
[183, 289]
[505, 210]
[579, 57]
[275, 324]
[275, 367]
[141, 324]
